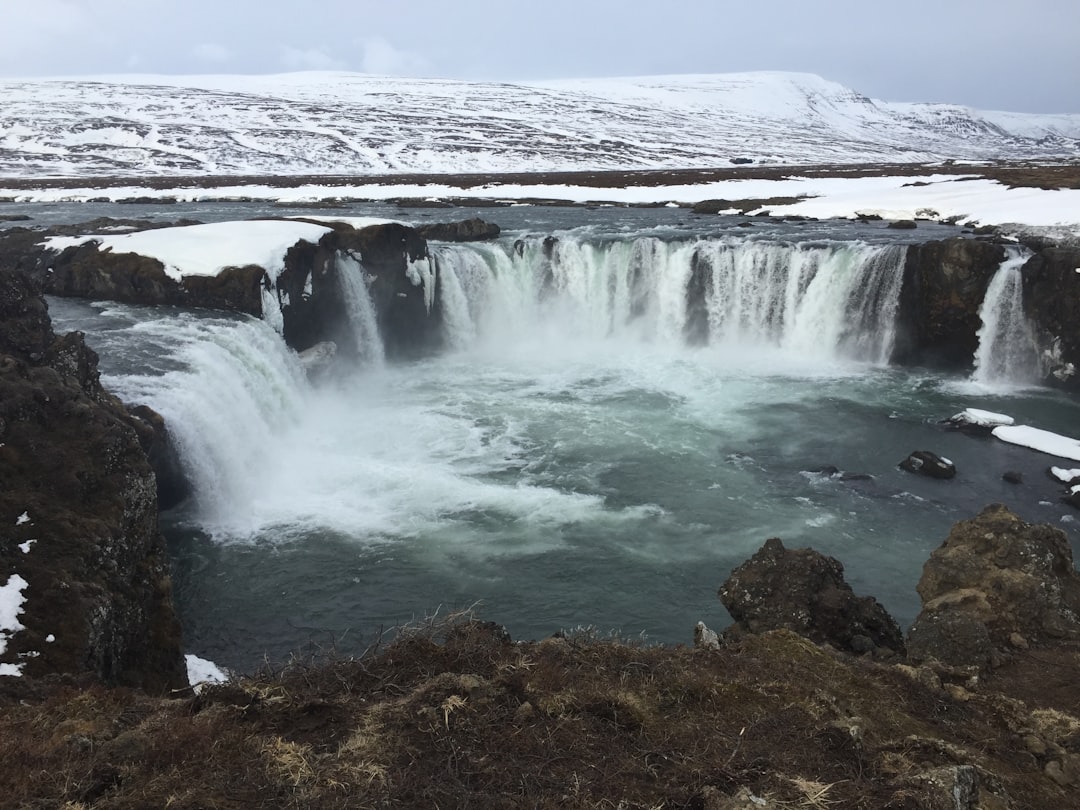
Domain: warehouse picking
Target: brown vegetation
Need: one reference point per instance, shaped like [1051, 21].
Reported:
[457, 715]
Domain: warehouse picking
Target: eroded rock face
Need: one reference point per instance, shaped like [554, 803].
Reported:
[805, 592]
[99, 596]
[393, 257]
[995, 582]
[83, 271]
[944, 285]
[1052, 299]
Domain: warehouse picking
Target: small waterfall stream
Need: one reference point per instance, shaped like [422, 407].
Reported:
[360, 311]
[1007, 352]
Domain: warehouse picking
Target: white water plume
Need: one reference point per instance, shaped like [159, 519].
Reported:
[359, 310]
[1007, 352]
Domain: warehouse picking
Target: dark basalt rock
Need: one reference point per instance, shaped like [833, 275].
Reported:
[923, 462]
[313, 308]
[1012, 477]
[712, 206]
[1052, 299]
[70, 458]
[903, 225]
[944, 286]
[173, 487]
[86, 272]
[467, 230]
[805, 592]
[995, 583]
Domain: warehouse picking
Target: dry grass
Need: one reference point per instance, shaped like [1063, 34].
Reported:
[453, 714]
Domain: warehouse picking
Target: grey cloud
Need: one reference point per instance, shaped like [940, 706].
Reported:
[993, 54]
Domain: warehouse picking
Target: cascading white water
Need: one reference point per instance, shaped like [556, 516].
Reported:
[823, 300]
[271, 311]
[814, 300]
[1007, 352]
[359, 310]
[234, 386]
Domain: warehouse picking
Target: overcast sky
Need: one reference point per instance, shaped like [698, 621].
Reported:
[1020, 55]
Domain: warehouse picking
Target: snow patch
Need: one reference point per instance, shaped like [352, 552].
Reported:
[25, 547]
[1063, 475]
[1042, 440]
[951, 196]
[201, 671]
[11, 602]
[206, 250]
[23, 518]
[975, 416]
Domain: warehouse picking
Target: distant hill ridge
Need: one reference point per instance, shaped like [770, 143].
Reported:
[349, 123]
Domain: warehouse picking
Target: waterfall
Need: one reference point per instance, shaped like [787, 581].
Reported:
[1007, 352]
[814, 300]
[271, 310]
[231, 388]
[359, 310]
[822, 300]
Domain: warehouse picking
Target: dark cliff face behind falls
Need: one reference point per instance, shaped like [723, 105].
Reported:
[78, 511]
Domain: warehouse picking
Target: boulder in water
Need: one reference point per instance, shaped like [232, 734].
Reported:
[903, 225]
[976, 422]
[804, 591]
[923, 462]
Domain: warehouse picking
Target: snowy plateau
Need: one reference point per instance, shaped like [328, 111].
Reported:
[356, 124]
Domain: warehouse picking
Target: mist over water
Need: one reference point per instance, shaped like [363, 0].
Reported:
[589, 449]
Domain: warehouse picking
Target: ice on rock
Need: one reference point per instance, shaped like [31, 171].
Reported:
[980, 418]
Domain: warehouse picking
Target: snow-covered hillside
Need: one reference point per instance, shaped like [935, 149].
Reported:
[347, 123]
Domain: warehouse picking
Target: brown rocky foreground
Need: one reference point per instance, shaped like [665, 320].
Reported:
[454, 713]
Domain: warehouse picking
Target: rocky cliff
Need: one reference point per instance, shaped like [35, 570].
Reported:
[944, 285]
[1052, 298]
[78, 512]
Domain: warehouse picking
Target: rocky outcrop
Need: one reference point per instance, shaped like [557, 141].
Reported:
[804, 591]
[996, 583]
[78, 512]
[1052, 299]
[944, 285]
[394, 261]
[467, 230]
[923, 462]
[84, 271]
